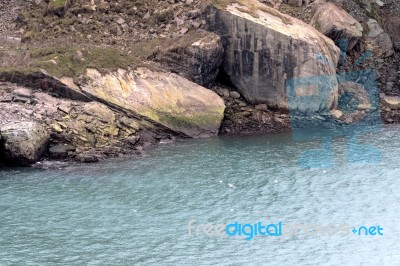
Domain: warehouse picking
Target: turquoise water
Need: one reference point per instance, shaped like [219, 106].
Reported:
[135, 211]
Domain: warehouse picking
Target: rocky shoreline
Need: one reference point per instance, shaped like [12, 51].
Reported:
[133, 75]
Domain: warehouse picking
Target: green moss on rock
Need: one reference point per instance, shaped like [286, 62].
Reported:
[57, 4]
[73, 60]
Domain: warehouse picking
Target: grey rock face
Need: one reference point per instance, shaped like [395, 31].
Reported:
[265, 50]
[337, 24]
[196, 58]
[393, 27]
[23, 143]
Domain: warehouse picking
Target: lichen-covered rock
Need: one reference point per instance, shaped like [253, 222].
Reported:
[337, 24]
[264, 48]
[163, 97]
[196, 57]
[23, 143]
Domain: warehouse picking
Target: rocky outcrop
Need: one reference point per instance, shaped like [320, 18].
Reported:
[265, 48]
[196, 57]
[337, 24]
[23, 143]
[163, 97]
[378, 41]
[79, 131]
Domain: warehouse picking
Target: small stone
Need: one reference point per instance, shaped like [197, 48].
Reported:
[45, 98]
[147, 16]
[61, 150]
[21, 99]
[23, 92]
[183, 30]
[234, 94]
[225, 93]
[120, 20]
[57, 128]
[336, 114]
[5, 99]
[13, 40]
[65, 107]
[380, 3]
[179, 21]
[262, 107]
[196, 24]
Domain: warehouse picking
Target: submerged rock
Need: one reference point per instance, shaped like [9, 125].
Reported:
[337, 24]
[265, 48]
[163, 97]
[23, 143]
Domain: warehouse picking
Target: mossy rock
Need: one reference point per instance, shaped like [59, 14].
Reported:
[58, 7]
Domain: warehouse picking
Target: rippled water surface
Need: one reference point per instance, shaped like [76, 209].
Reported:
[136, 211]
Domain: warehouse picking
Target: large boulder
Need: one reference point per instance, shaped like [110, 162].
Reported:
[265, 48]
[377, 40]
[195, 56]
[23, 143]
[163, 97]
[337, 24]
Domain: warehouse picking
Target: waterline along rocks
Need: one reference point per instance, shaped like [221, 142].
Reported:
[102, 79]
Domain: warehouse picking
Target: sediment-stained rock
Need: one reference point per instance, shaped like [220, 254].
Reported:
[265, 48]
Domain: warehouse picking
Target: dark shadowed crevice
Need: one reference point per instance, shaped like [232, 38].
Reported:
[223, 78]
[2, 155]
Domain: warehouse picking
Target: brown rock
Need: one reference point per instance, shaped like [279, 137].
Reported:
[337, 24]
